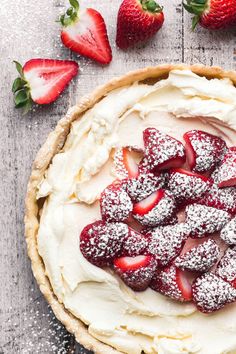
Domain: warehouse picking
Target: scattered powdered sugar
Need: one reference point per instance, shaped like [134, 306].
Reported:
[227, 170]
[134, 244]
[160, 213]
[203, 220]
[101, 242]
[187, 188]
[145, 184]
[221, 198]
[200, 258]
[164, 282]
[115, 204]
[228, 233]
[209, 149]
[210, 293]
[160, 148]
[167, 242]
[226, 269]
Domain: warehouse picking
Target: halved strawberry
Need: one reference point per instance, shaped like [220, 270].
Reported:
[115, 203]
[156, 209]
[101, 242]
[126, 162]
[85, 33]
[187, 187]
[42, 81]
[136, 272]
[166, 243]
[135, 244]
[225, 174]
[220, 198]
[211, 293]
[203, 220]
[204, 151]
[228, 233]
[226, 268]
[145, 184]
[161, 151]
[200, 258]
[173, 283]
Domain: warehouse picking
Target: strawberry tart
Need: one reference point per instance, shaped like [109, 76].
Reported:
[131, 214]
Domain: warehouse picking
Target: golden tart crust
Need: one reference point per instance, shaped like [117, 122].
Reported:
[52, 146]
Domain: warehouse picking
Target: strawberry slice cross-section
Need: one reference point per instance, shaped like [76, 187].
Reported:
[204, 151]
[161, 151]
[156, 209]
[42, 81]
[173, 283]
[136, 272]
[126, 162]
[84, 32]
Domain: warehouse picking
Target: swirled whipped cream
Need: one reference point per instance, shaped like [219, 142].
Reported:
[129, 321]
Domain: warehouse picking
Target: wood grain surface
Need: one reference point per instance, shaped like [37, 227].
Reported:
[28, 29]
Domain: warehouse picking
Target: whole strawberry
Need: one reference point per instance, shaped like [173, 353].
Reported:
[212, 14]
[138, 20]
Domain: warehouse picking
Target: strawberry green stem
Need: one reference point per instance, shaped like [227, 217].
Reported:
[71, 14]
[197, 8]
[151, 6]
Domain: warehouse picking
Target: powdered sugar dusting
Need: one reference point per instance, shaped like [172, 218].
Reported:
[228, 233]
[226, 269]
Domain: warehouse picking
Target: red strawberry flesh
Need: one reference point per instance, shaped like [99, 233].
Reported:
[125, 162]
[220, 198]
[225, 174]
[161, 151]
[228, 233]
[101, 242]
[134, 244]
[226, 268]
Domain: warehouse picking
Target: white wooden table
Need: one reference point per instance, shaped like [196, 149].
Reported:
[28, 30]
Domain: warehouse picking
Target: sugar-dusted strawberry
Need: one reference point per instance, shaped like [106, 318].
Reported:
[42, 81]
[220, 198]
[145, 184]
[166, 242]
[226, 269]
[211, 293]
[85, 33]
[161, 151]
[203, 220]
[173, 283]
[225, 174]
[156, 209]
[135, 244]
[126, 162]
[212, 14]
[228, 233]
[204, 151]
[136, 272]
[187, 187]
[101, 242]
[199, 258]
[138, 20]
[115, 203]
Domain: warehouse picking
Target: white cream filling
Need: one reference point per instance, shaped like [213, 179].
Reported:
[129, 321]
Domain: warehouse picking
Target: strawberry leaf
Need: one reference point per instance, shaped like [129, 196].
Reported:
[19, 68]
[74, 4]
[18, 84]
[21, 98]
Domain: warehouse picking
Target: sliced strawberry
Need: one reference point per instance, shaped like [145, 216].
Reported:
[166, 243]
[136, 272]
[161, 151]
[156, 209]
[85, 33]
[145, 184]
[228, 233]
[204, 151]
[211, 293]
[101, 242]
[226, 269]
[126, 162]
[115, 203]
[173, 283]
[220, 198]
[200, 258]
[203, 220]
[225, 174]
[187, 187]
[42, 81]
[134, 244]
